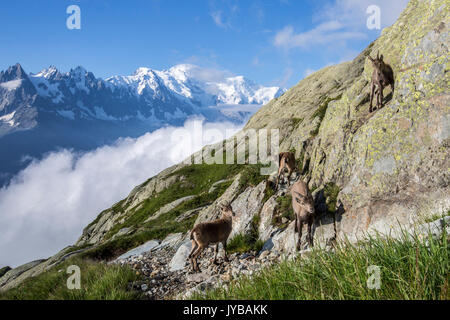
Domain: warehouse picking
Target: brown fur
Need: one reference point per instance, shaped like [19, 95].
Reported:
[214, 232]
[382, 76]
[303, 206]
[286, 160]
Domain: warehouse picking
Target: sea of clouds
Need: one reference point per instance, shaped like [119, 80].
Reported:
[47, 205]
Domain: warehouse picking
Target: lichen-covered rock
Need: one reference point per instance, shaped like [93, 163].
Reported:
[246, 206]
[391, 165]
[266, 228]
[213, 211]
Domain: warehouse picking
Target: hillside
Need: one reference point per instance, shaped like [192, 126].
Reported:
[369, 172]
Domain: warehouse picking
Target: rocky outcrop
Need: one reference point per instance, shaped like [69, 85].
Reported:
[169, 207]
[16, 272]
[266, 227]
[17, 275]
[4, 270]
[148, 246]
[246, 206]
[212, 212]
[391, 165]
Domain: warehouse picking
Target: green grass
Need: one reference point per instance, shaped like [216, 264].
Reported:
[410, 269]
[99, 281]
[198, 180]
[296, 122]
[247, 242]
[321, 111]
[283, 210]
[331, 192]
[436, 216]
[158, 228]
[251, 176]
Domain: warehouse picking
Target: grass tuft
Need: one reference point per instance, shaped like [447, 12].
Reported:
[410, 269]
[99, 281]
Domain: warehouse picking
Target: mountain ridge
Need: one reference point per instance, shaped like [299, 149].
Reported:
[75, 110]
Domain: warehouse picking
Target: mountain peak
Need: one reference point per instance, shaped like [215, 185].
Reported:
[48, 73]
[14, 72]
[78, 71]
[142, 71]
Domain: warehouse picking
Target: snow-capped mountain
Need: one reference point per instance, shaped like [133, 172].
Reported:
[162, 97]
[49, 109]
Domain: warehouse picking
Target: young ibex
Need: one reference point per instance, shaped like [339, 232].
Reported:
[213, 232]
[382, 76]
[286, 160]
[303, 206]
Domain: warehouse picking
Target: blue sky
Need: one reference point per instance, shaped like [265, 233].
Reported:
[274, 42]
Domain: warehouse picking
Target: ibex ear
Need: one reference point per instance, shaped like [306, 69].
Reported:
[371, 59]
[378, 55]
[381, 57]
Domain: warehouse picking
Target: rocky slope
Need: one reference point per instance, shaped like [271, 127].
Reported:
[370, 172]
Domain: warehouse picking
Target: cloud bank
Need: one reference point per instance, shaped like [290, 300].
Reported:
[47, 205]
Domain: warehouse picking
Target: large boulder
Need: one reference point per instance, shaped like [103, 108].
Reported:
[4, 270]
[168, 207]
[266, 228]
[180, 259]
[246, 206]
[146, 247]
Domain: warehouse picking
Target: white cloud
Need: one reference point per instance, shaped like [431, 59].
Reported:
[353, 12]
[324, 34]
[48, 204]
[218, 19]
[342, 21]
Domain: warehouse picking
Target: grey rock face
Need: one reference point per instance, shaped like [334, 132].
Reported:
[173, 240]
[179, 260]
[4, 270]
[16, 272]
[246, 206]
[169, 207]
[148, 246]
[267, 212]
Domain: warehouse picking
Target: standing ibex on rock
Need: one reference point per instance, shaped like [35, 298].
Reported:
[286, 160]
[382, 76]
[214, 232]
[303, 206]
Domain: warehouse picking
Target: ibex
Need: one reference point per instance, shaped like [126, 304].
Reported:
[303, 206]
[382, 76]
[286, 160]
[214, 232]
